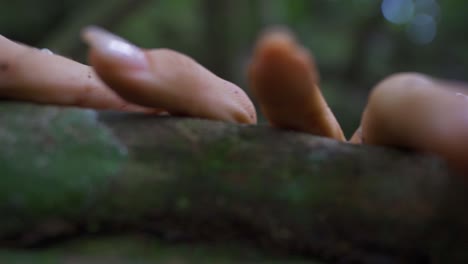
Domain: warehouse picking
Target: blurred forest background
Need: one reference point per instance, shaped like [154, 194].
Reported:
[356, 43]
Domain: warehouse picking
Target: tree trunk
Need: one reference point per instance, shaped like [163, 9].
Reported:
[217, 38]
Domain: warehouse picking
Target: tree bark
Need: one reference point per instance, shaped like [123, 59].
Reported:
[67, 171]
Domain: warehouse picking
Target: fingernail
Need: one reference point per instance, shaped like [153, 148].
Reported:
[47, 51]
[114, 47]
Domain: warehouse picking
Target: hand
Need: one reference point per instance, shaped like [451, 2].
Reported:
[123, 77]
[284, 79]
[407, 110]
[30, 74]
[167, 79]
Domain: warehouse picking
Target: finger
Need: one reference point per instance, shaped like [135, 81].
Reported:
[357, 137]
[167, 79]
[418, 112]
[38, 76]
[284, 79]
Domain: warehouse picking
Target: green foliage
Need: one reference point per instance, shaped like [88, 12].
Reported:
[153, 26]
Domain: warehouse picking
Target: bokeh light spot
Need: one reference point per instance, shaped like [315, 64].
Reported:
[422, 29]
[430, 7]
[398, 11]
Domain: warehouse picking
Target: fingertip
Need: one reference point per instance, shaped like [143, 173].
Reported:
[109, 49]
[248, 114]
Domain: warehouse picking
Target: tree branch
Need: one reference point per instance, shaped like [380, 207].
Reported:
[67, 172]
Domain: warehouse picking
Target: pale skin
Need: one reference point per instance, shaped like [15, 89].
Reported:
[284, 79]
[406, 110]
[122, 77]
[418, 112]
[30, 74]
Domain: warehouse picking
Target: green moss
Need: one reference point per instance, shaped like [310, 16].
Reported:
[53, 161]
[190, 179]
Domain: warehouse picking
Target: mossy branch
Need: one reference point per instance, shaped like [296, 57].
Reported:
[69, 171]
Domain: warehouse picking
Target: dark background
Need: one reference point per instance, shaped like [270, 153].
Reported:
[356, 42]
